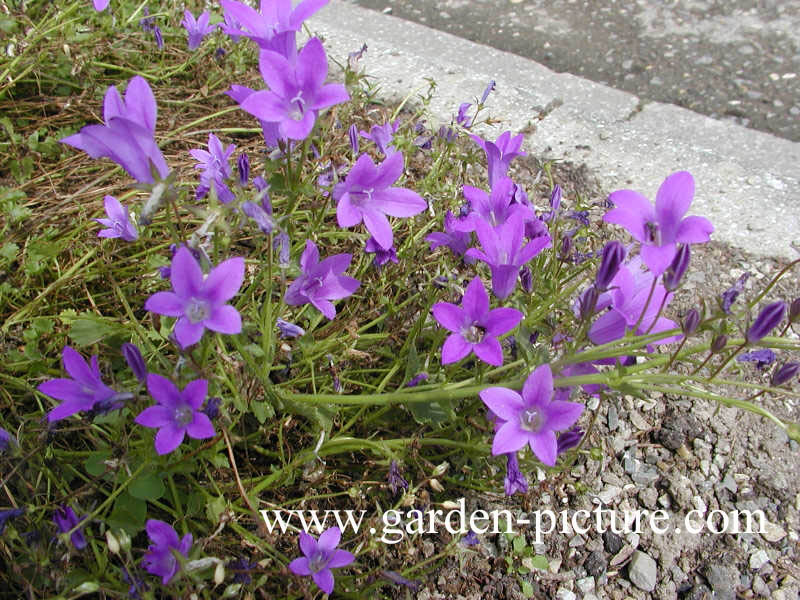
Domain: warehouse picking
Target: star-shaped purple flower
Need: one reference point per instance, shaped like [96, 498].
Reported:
[453, 236]
[197, 28]
[662, 227]
[127, 136]
[496, 209]
[503, 250]
[382, 136]
[475, 328]
[500, 153]
[296, 92]
[320, 556]
[200, 302]
[321, 282]
[216, 168]
[65, 519]
[531, 418]
[366, 195]
[178, 413]
[80, 393]
[160, 559]
[118, 224]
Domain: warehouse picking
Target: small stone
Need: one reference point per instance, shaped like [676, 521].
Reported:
[729, 483]
[759, 587]
[646, 475]
[577, 541]
[772, 532]
[758, 560]
[613, 418]
[639, 421]
[585, 585]
[722, 580]
[593, 403]
[612, 542]
[622, 556]
[596, 563]
[565, 594]
[609, 494]
[648, 497]
[642, 571]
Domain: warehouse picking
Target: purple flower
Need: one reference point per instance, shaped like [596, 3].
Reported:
[7, 515]
[160, 559]
[80, 393]
[503, 250]
[497, 209]
[500, 153]
[417, 379]
[382, 136]
[178, 413]
[243, 166]
[262, 218]
[365, 195]
[158, 36]
[395, 478]
[321, 282]
[200, 302]
[677, 268]
[146, 22]
[127, 136]
[289, 330]
[766, 321]
[216, 168]
[320, 556]
[6, 441]
[613, 255]
[198, 28]
[241, 568]
[631, 287]
[531, 418]
[118, 222]
[382, 256]
[100, 5]
[297, 92]
[458, 241]
[785, 373]
[66, 519]
[471, 539]
[662, 227]
[475, 328]
[270, 130]
[135, 361]
[398, 579]
[569, 439]
[762, 357]
[691, 322]
[514, 481]
[281, 242]
[211, 407]
[462, 118]
[729, 296]
[489, 89]
[352, 134]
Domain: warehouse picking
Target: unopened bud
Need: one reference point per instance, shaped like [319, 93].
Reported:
[691, 322]
[436, 486]
[450, 505]
[588, 302]
[785, 373]
[219, 573]
[441, 469]
[613, 255]
[718, 343]
[124, 540]
[677, 268]
[766, 321]
[112, 541]
[794, 311]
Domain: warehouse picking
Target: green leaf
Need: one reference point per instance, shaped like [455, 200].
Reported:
[219, 460]
[9, 251]
[129, 514]
[147, 487]
[519, 544]
[540, 562]
[262, 411]
[215, 508]
[94, 464]
[89, 329]
[432, 413]
[527, 589]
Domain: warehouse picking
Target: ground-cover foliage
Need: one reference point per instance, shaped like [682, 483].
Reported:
[325, 328]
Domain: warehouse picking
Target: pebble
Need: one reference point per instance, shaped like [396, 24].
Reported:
[759, 587]
[596, 563]
[639, 421]
[622, 556]
[613, 418]
[646, 475]
[758, 560]
[609, 494]
[729, 483]
[565, 594]
[612, 542]
[721, 579]
[585, 585]
[642, 571]
[772, 532]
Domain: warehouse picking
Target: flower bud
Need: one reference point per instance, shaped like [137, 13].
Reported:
[588, 302]
[785, 373]
[435, 485]
[613, 255]
[243, 165]
[677, 268]
[124, 540]
[718, 343]
[555, 198]
[113, 543]
[566, 247]
[691, 322]
[794, 311]
[441, 469]
[219, 573]
[352, 133]
[526, 279]
[766, 321]
[135, 361]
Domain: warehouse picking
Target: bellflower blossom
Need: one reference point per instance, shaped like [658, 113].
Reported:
[197, 28]
[100, 5]
[82, 392]
[270, 130]
[289, 330]
[127, 136]
[503, 250]
[474, 327]
[178, 413]
[382, 136]
[321, 282]
[200, 302]
[65, 519]
[532, 417]
[496, 209]
[6, 440]
[500, 153]
[382, 256]
[630, 289]
[160, 559]
[118, 224]
[660, 228]
[320, 556]
[730, 295]
[297, 92]
[216, 168]
[458, 241]
[365, 195]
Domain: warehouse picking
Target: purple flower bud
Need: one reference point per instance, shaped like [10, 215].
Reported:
[440, 282]
[352, 133]
[417, 379]
[587, 303]
[165, 272]
[677, 268]
[514, 481]
[555, 198]
[396, 480]
[146, 22]
[354, 57]
[243, 165]
[785, 373]
[382, 255]
[489, 89]
[282, 241]
[730, 295]
[691, 322]
[260, 183]
[526, 279]
[219, 54]
[471, 539]
[398, 579]
[794, 310]
[6, 440]
[211, 408]
[65, 519]
[262, 218]
[718, 343]
[135, 361]
[463, 118]
[613, 255]
[766, 321]
[7, 515]
[289, 330]
[761, 357]
[566, 247]
[569, 439]
[158, 36]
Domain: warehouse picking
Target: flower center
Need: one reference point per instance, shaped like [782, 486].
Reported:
[183, 415]
[361, 197]
[531, 419]
[473, 334]
[296, 107]
[317, 562]
[652, 233]
[198, 310]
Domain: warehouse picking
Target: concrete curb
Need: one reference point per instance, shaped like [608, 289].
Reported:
[746, 180]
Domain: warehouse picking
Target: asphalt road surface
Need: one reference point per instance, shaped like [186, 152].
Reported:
[728, 59]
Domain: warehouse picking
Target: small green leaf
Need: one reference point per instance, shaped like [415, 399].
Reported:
[94, 464]
[129, 514]
[89, 329]
[527, 589]
[215, 508]
[432, 413]
[147, 487]
[262, 411]
[540, 562]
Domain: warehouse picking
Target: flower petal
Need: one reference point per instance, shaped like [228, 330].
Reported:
[299, 566]
[195, 392]
[200, 428]
[538, 387]
[449, 316]
[224, 281]
[308, 545]
[155, 416]
[509, 438]
[503, 402]
[476, 301]
[329, 539]
[455, 348]
[340, 558]
[562, 415]
[324, 580]
[632, 210]
[76, 366]
[378, 225]
[168, 438]
[188, 333]
[545, 446]
[502, 320]
[673, 200]
[398, 202]
[609, 327]
[347, 214]
[658, 258]
[186, 275]
[489, 351]
[165, 303]
[694, 230]
[224, 319]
